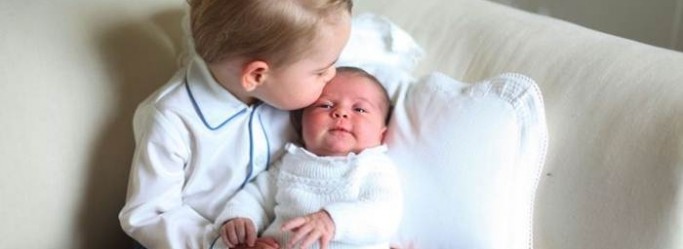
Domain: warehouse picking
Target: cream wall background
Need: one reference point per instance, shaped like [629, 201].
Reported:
[656, 22]
[71, 74]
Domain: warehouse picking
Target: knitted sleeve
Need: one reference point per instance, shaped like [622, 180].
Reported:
[375, 216]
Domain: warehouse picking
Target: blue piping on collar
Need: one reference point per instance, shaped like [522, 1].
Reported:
[250, 167]
[201, 115]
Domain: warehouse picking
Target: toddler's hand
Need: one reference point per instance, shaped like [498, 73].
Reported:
[238, 231]
[261, 243]
[307, 229]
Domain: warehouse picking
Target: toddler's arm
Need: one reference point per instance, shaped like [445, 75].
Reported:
[155, 214]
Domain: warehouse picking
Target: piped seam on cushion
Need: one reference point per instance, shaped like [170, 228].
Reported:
[523, 94]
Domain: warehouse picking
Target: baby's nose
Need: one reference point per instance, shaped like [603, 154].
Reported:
[340, 114]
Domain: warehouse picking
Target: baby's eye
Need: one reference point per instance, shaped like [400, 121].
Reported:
[361, 110]
[325, 106]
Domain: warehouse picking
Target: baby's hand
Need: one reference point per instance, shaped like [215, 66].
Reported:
[316, 226]
[238, 231]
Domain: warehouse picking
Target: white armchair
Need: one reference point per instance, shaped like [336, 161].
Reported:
[72, 72]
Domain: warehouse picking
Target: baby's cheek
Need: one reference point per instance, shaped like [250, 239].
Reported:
[370, 137]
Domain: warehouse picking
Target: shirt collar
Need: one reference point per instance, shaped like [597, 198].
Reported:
[214, 104]
[296, 149]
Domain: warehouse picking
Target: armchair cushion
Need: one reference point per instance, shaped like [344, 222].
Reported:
[470, 155]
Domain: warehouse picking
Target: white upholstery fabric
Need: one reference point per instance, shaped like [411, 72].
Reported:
[71, 73]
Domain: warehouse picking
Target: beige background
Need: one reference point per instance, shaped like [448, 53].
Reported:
[71, 74]
[656, 22]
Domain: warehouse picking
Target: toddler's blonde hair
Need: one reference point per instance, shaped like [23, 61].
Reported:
[276, 31]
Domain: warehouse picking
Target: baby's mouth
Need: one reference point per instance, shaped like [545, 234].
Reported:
[339, 129]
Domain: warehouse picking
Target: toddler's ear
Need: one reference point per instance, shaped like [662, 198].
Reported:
[254, 74]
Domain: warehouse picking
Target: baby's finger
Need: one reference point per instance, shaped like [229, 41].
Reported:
[224, 236]
[311, 238]
[293, 223]
[301, 232]
[240, 234]
[325, 241]
[250, 233]
[232, 236]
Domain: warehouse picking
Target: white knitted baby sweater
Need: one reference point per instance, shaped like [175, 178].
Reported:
[361, 192]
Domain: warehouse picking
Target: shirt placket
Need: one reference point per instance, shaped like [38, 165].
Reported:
[259, 151]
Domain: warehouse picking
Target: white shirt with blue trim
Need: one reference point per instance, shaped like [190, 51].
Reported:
[196, 145]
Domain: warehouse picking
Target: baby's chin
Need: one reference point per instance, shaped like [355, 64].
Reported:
[331, 150]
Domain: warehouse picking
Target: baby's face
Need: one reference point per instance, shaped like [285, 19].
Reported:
[348, 117]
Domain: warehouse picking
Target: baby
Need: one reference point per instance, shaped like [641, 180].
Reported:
[340, 188]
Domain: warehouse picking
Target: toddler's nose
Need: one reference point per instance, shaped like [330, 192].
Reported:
[330, 73]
